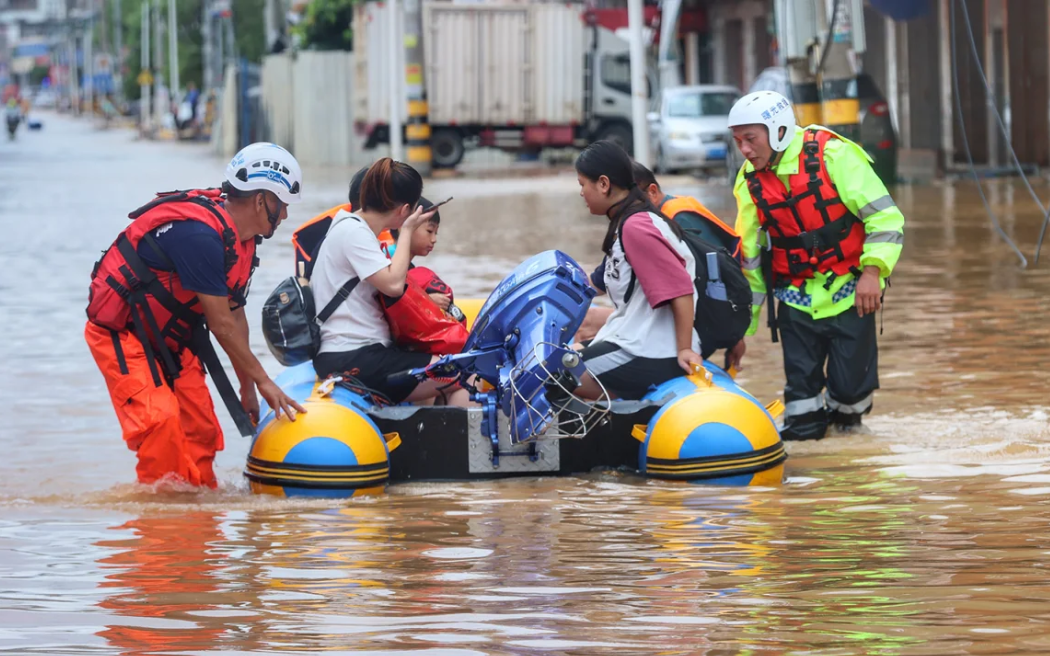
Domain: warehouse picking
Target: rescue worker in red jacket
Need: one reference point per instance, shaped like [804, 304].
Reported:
[821, 235]
[179, 271]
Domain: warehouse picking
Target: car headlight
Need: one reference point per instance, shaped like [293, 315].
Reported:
[680, 136]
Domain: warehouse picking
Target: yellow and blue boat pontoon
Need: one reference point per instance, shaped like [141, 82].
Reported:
[701, 428]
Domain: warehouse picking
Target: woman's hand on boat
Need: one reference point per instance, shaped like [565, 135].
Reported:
[735, 356]
[689, 360]
[443, 301]
[279, 401]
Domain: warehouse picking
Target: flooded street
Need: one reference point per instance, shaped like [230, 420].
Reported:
[930, 535]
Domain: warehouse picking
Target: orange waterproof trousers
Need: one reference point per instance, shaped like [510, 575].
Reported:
[173, 430]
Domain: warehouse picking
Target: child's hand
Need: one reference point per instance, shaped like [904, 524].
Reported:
[442, 300]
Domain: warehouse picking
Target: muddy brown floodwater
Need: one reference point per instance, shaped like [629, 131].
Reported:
[929, 535]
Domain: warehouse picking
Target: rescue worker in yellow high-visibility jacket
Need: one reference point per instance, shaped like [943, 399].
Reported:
[821, 235]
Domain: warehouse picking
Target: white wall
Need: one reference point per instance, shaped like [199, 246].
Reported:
[308, 99]
[279, 99]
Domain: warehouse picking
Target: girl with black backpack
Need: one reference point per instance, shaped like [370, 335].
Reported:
[648, 274]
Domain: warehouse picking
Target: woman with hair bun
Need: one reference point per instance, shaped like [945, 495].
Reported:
[356, 339]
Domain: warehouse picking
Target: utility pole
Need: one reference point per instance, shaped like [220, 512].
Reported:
[639, 97]
[71, 54]
[394, 53]
[838, 89]
[173, 50]
[89, 65]
[158, 56]
[118, 51]
[230, 52]
[220, 53]
[417, 129]
[145, 104]
[207, 50]
[74, 73]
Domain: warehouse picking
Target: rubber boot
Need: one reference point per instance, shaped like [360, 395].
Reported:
[847, 423]
[808, 426]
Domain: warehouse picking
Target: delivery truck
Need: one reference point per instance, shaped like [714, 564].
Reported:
[519, 77]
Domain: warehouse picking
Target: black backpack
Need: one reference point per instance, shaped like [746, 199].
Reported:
[723, 306]
[290, 321]
[291, 325]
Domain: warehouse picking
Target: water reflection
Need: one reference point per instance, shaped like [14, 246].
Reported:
[167, 576]
[843, 560]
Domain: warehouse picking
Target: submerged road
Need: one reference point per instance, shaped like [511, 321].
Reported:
[928, 535]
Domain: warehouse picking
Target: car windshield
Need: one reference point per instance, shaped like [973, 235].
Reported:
[693, 105]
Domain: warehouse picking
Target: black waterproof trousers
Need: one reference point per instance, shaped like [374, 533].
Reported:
[845, 346]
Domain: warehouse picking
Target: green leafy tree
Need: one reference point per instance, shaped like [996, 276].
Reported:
[248, 29]
[327, 25]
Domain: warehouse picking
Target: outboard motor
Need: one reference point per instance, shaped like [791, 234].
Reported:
[519, 351]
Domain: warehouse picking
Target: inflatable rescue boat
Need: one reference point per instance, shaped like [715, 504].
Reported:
[702, 428]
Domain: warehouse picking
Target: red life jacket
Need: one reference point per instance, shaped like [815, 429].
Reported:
[432, 284]
[418, 324]
[429, 281]
[126, 294]
[809, 228]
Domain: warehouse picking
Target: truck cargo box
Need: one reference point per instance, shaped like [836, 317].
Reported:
[485, 64]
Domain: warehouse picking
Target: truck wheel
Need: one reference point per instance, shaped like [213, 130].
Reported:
[446, 147]
[619, 134]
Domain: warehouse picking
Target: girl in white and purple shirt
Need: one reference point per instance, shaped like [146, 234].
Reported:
[648, 273]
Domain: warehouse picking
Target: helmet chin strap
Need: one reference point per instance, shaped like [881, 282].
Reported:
[773, 159]
[271, 216]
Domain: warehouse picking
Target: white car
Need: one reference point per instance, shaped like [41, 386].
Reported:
[45, 99]
[688, 126]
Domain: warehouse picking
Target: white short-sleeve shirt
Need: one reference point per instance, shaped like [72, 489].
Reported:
[350, 250]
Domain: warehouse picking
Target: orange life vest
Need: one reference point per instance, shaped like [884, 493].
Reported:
[307, 239]
[126, 294]
[809, 228]
[673, 206]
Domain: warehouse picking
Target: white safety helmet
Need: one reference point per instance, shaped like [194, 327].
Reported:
[268, 167]
[767, 108]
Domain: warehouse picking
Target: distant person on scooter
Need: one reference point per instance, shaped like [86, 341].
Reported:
[14, 117]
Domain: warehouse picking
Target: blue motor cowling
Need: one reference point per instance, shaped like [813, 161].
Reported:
[519, 347]
[532, 315]
[544, 299]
